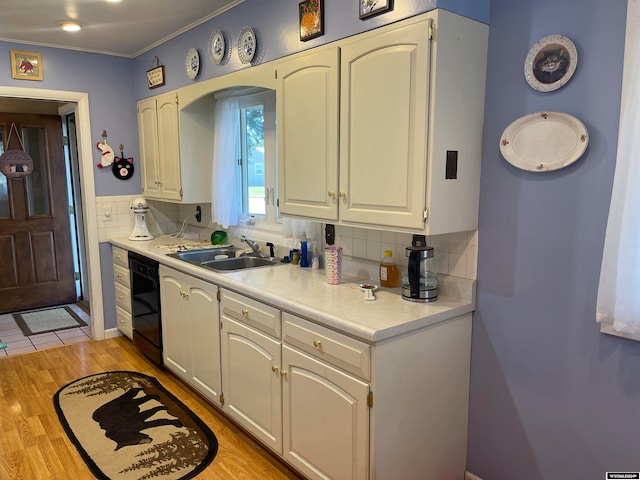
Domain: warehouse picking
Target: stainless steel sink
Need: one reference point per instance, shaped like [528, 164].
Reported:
[206, 255]
[239, 263]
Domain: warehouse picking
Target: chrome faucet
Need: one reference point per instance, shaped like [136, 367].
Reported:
[252, 243]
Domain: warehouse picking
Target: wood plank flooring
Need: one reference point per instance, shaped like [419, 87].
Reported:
[33, 445]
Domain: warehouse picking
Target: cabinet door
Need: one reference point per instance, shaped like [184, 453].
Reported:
[326, 419]
[148, 137]
[203, 316]
[175, 337]
[308, 135]
[383, 127]
[169, 146]
[251, 378]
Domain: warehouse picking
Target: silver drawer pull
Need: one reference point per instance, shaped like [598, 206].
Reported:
[317, 343]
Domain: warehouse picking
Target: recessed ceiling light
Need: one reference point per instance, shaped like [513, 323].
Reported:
[114, 1]
[69, 25]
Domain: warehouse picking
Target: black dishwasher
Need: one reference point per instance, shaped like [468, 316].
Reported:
[145, 306]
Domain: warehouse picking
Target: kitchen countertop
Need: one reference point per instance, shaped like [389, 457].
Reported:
[305, 292]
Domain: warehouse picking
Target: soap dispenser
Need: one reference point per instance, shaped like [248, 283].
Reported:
[304, 254]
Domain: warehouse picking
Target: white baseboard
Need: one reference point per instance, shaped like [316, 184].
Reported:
[112, 333]
[470, 476]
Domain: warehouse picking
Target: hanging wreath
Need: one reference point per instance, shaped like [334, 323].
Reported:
[15, 164]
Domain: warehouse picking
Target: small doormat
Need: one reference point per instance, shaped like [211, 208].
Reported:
[126, 426]
[48, 320]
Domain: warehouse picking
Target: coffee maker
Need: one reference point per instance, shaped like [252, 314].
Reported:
[420, 283]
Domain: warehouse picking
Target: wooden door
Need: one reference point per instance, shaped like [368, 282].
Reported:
[36, 266]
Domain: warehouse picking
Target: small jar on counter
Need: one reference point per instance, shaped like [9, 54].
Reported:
[389, 271]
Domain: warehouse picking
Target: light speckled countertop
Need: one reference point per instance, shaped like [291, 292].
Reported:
[305, 292]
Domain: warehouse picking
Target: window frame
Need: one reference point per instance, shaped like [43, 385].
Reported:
[271, 218]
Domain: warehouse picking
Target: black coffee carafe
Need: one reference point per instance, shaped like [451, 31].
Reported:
[420, 283]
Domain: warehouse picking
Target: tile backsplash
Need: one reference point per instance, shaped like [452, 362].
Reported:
[455, 253]
[115, 218]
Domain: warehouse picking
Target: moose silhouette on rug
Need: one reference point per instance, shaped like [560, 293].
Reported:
[123, 421]
[126, 423]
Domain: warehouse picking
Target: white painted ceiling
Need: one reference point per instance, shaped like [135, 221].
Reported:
[127, 28]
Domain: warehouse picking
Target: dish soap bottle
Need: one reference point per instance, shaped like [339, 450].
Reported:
[304, 253]
[389, 273]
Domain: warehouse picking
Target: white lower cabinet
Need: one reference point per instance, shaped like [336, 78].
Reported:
[191, 331]
[122, 288]
[303, 408]
[326, 419]
[251, 379]
[330, 405]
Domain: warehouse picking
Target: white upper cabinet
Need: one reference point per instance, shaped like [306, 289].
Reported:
[176, 163]
[408, 116]
[160, 147]
[383, 124]
[307, 107]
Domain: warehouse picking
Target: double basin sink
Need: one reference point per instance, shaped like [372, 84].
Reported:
[223, 259]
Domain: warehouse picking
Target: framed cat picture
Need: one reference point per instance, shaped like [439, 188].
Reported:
[371, 8]
[311, 21]
[550, 63]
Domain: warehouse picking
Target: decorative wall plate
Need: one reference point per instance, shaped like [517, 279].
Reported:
[247, 45]
[192, 63]
[218, 47]
[544, 141]
[551, 63]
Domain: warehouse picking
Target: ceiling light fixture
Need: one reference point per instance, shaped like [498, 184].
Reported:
[69, 25]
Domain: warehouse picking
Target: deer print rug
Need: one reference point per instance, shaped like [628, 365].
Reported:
[126, 426]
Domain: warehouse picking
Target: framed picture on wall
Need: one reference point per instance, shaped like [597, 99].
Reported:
[26, 65]
[311, 21]
[370, 8]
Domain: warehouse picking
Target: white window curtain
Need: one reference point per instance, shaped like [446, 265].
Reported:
[618, 303]
[224, 203]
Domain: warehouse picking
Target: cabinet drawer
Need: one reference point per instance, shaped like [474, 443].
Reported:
[344, 352]
[123, 297]
[120, 256]
[121, 275]
[261, 316]
[124, 322]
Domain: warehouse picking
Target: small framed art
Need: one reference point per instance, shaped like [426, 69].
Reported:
[155, 77]
[26, 65]
[311, 20]
[370, 8]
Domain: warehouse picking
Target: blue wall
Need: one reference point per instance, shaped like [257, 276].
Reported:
[551, 397]
[276, 27]
[108, 81]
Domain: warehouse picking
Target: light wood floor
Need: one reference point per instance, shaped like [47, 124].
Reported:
[33, 445]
